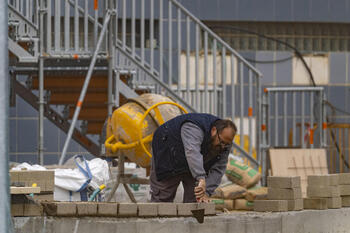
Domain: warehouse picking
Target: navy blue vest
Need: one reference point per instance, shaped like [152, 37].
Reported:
[168, 149]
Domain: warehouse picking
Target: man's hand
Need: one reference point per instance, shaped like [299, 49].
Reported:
[205, 199]
[199, 191]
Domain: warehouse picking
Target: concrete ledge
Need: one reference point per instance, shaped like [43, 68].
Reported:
[312, 221]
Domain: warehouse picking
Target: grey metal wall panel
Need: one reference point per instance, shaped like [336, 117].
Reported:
[265, 69]
[283, 10]
[319, 9]
[50, 137]
[283, 69]
[337, 67]
[336, 95]
[301, 10]
[27, 135]
[339, 11]
[13, 135]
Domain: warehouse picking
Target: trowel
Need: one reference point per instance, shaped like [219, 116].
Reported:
[198, 213]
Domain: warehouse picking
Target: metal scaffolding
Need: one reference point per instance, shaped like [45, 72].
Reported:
[5, 220]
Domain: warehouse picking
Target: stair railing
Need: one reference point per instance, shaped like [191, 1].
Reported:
[189, 62]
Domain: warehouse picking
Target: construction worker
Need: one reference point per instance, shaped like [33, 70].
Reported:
[192, 149]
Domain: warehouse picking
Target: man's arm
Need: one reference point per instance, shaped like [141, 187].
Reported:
[192, 138]
[215, 173]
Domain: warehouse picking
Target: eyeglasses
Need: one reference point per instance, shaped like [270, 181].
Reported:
[224, 144]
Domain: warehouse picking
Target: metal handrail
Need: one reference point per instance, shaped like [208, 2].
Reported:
[203, 26]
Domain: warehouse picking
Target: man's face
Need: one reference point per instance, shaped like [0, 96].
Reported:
[221, 141]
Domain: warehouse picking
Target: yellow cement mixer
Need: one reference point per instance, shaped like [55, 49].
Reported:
[131, 127]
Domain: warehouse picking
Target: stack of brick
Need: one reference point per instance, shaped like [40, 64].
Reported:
[44, 179]
[24, 205]
[284, 194]
[344, 186]
[323, 192]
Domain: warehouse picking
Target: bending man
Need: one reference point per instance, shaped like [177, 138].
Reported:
[192, 149]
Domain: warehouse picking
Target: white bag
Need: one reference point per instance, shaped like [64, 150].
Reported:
[70, 182]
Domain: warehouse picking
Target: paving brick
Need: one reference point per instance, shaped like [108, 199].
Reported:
[107, 209]
[283, 182]
[345, 201]
[344, 178]
[323, 191]
[315, 203]
[270, 205]
[209, 208]
[334, 202]
[127, 210]
[167, 209]
[344, 190]
[148, 209]
[184, 209]
[86, 208]
[284, 194]
[294, 205]
[60, 208]
[323, 180]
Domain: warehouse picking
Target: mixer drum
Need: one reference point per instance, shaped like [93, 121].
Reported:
[125, 120]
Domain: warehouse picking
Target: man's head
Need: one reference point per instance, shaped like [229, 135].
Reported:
[222, 134]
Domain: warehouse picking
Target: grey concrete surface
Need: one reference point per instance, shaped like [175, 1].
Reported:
[308, 221]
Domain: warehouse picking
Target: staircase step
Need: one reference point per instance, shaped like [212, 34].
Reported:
[90, 113]
[71, 83]
[72, 98]
[94, 127]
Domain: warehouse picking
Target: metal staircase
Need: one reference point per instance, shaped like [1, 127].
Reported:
[150, 46]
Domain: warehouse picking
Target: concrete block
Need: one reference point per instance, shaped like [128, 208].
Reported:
[315, 203]
[167, 209]
[60, 208]
[323, 191]
[44, 179]
[284, 194]
[334, 202]
[270, 205]
[283, 182]
[294, 205]
[148, 209]
[184, 209]
[43, 197]
[344, 178]
[17, 209]
[209, 208]
[107, 209]
[345, 201]
[344, 190]
[127, 210]
[86, 208]
[32, 209]
[323, 180]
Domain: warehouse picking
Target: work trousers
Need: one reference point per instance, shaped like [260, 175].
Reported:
[165, 190]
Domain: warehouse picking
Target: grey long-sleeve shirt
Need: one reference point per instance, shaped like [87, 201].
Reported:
[192, 138]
